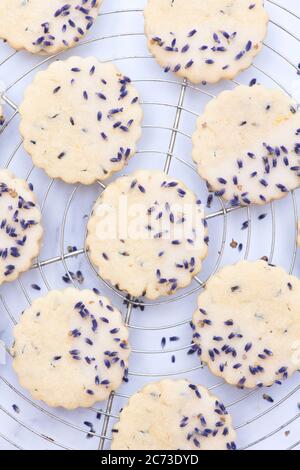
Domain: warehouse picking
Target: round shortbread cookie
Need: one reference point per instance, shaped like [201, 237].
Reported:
[46, 27]
[174, 415]
[81, 120]
[205, 40]
[247, 325]
[247, 145]
[20, 227]
[71, 349]
[147, 234]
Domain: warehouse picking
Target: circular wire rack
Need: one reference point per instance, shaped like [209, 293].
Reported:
[160, 330]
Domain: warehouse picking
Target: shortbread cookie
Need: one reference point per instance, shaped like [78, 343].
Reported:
[247, 325]
[71, 349]
[81, 120]
[174, 415]
[247, 145]
[46, 27]
[20, 227]
[147, 234]
[205, 40]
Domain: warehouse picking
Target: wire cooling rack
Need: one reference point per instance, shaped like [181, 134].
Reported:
[264, 419]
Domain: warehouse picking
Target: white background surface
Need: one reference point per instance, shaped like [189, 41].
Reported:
[261, 425]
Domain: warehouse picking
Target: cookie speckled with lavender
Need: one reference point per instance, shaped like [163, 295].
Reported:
[247, 325]
[174, 415]
[247, 145]
[205, 40]
[20, 227]
[71, 349]
[81, 120]
[44, 27]
[147, 234]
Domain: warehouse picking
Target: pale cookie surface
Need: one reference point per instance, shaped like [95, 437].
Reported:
[71, 349]
[20, 226]
[44, 27]
[81, 120]
[205, 40]
[247, 325]
[174, 415]
[247, 145]
[147, 234]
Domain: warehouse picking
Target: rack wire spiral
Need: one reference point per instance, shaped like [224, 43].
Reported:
[270, 423]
